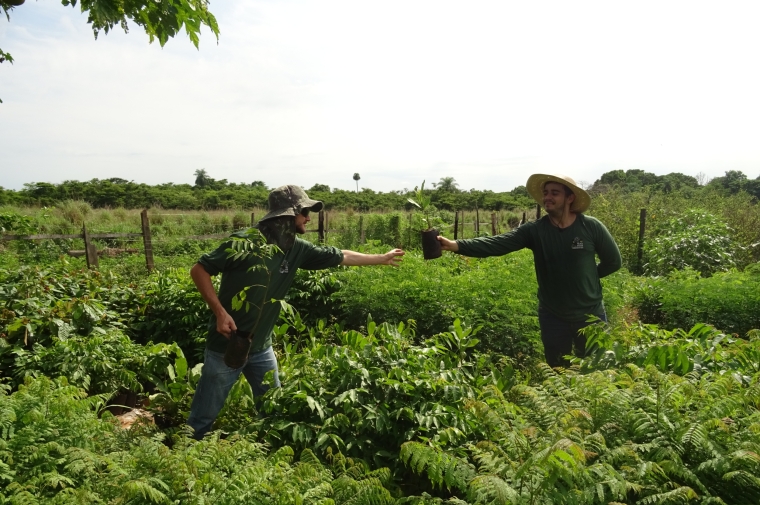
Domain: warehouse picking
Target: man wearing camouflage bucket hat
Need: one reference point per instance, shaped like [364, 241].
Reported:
[289, 209]
[565, 244]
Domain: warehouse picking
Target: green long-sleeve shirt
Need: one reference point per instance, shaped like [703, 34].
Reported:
[565, 261]
[236, 275]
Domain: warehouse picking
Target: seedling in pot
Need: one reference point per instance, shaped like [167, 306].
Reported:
[431, 248]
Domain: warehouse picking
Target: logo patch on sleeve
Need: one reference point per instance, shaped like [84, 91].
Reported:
[577, 243]
[284, 267]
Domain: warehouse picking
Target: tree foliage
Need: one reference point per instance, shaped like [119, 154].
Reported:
[161, 20]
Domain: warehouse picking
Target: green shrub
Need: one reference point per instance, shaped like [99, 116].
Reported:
[74, 211]
[241, 220]
[121, 214]
[15, 223]
[365, 394]
[383, 228]
[223, 224]
[729, 301]
[497, 293]
[54, 449]
[694, 239]
[168, 308]
[100, 363]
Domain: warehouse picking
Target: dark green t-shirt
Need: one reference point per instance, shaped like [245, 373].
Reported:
[565, 260]
[236, 275]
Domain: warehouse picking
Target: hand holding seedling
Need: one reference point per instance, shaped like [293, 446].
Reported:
[225, 324]
[448, 245]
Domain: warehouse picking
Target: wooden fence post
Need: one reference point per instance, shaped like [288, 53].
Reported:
[642, 227]
[493, 223]
[477, 221]
[538, 212]
[253, 220]
[409, 233]
[321, 227]
[456, 223]
[361, 229]
[90, 252]
[147, 244]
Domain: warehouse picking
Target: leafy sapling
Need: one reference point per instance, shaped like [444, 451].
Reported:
[423, 203]
[431, 248]
[253, 245]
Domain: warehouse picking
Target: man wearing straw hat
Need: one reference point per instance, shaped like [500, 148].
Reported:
[289, 209]
[565, 244]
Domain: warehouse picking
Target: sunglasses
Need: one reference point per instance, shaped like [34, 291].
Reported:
[305, 212]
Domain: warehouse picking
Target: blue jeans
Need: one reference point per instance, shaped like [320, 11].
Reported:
[561, 338]
[216, 381]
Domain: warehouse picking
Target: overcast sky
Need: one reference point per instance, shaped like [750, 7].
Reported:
[399, 91]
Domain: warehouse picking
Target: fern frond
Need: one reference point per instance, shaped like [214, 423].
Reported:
[442, 468]
[319, 492]
[368, 491]
[747, 457]
[141, 488]
[383, 475]
[683, 475]
[491, 489]
[694, 437]
[284, 454]
[308, 457]
[595, 445]
[743, 479]
[712, 500]
[491, 459]
[679, 495]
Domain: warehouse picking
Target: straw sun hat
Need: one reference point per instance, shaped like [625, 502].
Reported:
[535, 187]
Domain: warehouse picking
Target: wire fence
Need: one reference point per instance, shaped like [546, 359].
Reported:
[155, 235]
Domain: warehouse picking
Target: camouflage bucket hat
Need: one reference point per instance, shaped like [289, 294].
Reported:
[290, 200]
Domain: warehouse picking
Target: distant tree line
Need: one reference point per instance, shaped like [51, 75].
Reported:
[210, 194]
[632, 181]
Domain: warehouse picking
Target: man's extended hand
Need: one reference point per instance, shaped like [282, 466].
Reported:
[448, 245]
[357, 259]
[393, 257]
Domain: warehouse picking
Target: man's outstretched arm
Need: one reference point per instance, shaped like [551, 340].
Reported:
[357, 259]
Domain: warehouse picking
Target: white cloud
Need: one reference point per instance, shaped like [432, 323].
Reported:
[311, 92]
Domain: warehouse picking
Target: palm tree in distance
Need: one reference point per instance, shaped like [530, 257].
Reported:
[201, 177]
[447, 184]
[356, 178]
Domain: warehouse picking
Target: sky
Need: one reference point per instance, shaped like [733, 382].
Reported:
[307, 92]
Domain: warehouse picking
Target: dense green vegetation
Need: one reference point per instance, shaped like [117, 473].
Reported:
[211, 194]
[422, 384]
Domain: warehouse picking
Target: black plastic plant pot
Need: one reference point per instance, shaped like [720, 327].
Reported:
[237, 349]
[431, 248]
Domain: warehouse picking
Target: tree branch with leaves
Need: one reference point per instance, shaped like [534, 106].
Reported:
[161, 19]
